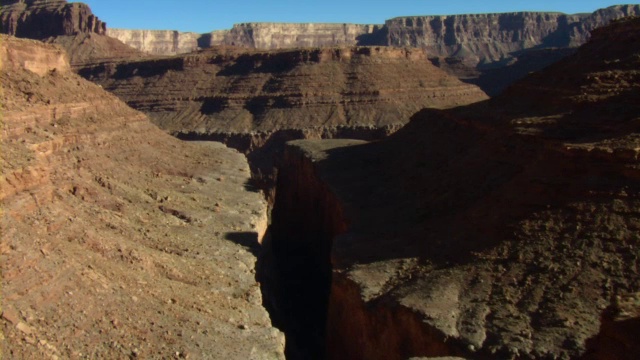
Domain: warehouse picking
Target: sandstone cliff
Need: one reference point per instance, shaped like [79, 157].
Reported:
[488, 38]
[489, 50]
[290, 35]
[477, 38]
[70, 25]
[119, 241]
[40, 19]
[506, 229]
[157, 42]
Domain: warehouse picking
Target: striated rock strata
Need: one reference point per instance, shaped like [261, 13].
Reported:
[292, 35]
[487, 38]
[158, 42]
[489, 50]
[505, 229]
[119, 241]
[255, 101]
[477, 38]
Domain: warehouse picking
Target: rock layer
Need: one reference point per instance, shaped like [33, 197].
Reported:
[505, 229]
[158, 42]
[287, 35]
[118, 240]
[477, 38]
[488, 38]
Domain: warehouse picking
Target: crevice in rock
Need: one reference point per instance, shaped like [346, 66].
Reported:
[305, 218]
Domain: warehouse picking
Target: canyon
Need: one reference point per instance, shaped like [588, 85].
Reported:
[409, 260]
[488, 50]
[255, 101]
[371, 202]
[118, 240]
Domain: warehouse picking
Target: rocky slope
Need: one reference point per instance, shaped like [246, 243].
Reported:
[506, 229]
[119, 241]
[70, 25]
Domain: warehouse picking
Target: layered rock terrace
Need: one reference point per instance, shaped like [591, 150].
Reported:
[254, 101]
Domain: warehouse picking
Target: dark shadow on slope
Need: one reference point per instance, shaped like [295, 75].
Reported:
[378, 37]
[247, 239]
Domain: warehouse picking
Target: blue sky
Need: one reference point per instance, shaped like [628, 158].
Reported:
[206, 15]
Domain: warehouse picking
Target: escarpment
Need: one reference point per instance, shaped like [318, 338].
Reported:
[256, 100]
[70, 25]
[504, 229]
[489, 50]
[488, 38]
[119, 240]
[40, 19]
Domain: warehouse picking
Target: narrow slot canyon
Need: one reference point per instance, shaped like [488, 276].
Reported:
[295, 269]
[323, 315]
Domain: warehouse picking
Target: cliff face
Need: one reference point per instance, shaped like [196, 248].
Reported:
[70, 25]
[476, 38]
[504, 229]
[40, 19]
[114, 233]
[157, 42]
[487, 38]
[283, 35]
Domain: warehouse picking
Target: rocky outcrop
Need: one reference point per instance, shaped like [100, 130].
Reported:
[118, 240]
[40, 19]
[505, 229]
[158, 42]
[70, 25]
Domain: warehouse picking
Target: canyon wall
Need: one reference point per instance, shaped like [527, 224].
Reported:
[476, 38]
[39, 19]
[291, 35]
[488, 38]
[69, 25]
[504, 229]
[118, 240]
[157, 42]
